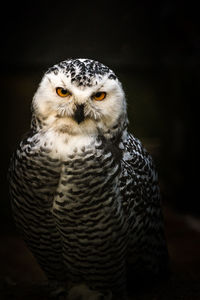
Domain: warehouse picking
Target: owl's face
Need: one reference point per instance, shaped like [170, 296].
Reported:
[80, 96]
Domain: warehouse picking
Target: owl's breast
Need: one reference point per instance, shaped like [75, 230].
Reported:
[87, 207]
[86, 175]
[89, 184]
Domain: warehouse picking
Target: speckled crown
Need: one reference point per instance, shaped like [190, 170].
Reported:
[82, 71]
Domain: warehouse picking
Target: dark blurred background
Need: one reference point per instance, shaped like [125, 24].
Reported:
[154, 48]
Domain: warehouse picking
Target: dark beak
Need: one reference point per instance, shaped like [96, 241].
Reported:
[79, 113]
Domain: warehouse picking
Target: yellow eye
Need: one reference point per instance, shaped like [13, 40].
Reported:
[62, 92]
[99, 96]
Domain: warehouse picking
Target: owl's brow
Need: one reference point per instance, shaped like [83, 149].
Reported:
[64, 85]
[99, 87]
[50, 81]
[52, 86]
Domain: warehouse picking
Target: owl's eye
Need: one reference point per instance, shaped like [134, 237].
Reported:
[62, 92]
[99, 96]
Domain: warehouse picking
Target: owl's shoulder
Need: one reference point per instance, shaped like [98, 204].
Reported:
[133, 148]
[136, 159]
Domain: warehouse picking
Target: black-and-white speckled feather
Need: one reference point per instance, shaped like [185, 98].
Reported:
[84, 191]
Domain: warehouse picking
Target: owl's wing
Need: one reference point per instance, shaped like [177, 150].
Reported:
[147, 251]
[33, 178]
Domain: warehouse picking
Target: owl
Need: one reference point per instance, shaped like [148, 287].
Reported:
[84, 191]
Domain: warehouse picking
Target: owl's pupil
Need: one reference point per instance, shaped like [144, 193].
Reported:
[98, 94]
[64, 91]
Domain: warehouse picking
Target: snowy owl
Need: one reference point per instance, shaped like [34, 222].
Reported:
[84, 191]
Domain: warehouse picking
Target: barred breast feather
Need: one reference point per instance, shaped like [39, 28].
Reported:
[88, 210]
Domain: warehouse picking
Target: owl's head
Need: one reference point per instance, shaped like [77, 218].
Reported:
[80, 96]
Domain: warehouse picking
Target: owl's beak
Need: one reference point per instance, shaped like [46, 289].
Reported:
[79, 114]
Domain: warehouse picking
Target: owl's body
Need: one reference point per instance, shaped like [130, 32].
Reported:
[84, 191]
